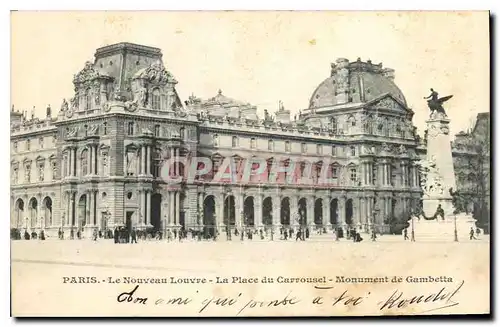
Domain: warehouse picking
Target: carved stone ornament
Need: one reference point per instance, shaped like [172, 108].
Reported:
[93, 130]
[131, 106]
[156, 72]
[388, 103]
[445, 130]
[106, 107]
[88, 73]
[69, 113]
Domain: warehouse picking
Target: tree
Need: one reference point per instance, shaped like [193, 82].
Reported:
[472, 168]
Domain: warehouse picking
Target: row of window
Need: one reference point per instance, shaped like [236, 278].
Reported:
[27, 172]
[270, 146]
[41, 144]
[157, 130]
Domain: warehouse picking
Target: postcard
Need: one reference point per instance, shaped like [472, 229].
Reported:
[249, 164]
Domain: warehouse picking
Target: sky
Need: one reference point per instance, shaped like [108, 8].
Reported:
[262, 57]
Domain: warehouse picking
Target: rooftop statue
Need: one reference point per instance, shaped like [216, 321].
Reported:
[435, 103]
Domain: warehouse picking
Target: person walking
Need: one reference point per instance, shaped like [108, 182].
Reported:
[405, 234]
[471, 234]
[133, 234]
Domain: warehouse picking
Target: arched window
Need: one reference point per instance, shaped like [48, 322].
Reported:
[157, 130]
[28, 145]
[352, 175]
[353, 151]
[88, 100]
[156, 101]
[84, 163]
[216, 140]
[182, 133]
[287, 146]
[235, 141]
[105, 128]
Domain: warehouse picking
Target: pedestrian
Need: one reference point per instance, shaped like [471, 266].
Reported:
[374, 236]
[285, 234]
[95, 235]
[405, 233]
[116, 236]
[133, 234]
[298, 236]
[471, 234]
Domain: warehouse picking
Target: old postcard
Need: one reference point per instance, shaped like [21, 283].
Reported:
[235, 164]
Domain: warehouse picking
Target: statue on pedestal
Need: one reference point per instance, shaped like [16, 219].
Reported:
[435, 103]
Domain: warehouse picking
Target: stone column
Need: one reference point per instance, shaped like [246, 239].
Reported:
[87, 208]
[89, 160]
[68, 208]
[95, 208]
[148, 208]
[359, 211]
[239, 209]
[73, 209]
[141, 217]
[326, 213]
[219, 209]
[310, 202]
[200, 210]
[143, 158]
[177, 162]
[276, 213]
[70, 162]
[96, 164]
[148, 160]
[177, 208]
[341, 208]
[74, 162]
[258, 210]
[171, 207]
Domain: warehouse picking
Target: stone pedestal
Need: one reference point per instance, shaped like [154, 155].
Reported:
[440, 176]
[442, 229]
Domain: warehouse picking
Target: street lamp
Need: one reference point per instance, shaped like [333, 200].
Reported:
[412, 227]
[455, 232]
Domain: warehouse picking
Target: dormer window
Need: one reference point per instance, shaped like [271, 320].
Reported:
[155, 101]
[88, 100]
[216, 140]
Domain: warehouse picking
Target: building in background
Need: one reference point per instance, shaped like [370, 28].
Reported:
[98, 162]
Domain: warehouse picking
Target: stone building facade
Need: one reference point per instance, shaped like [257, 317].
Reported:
[99, 162]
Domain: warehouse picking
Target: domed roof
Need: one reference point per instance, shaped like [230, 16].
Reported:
[366, 82]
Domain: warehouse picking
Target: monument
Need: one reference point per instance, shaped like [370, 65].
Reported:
[438, 177]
